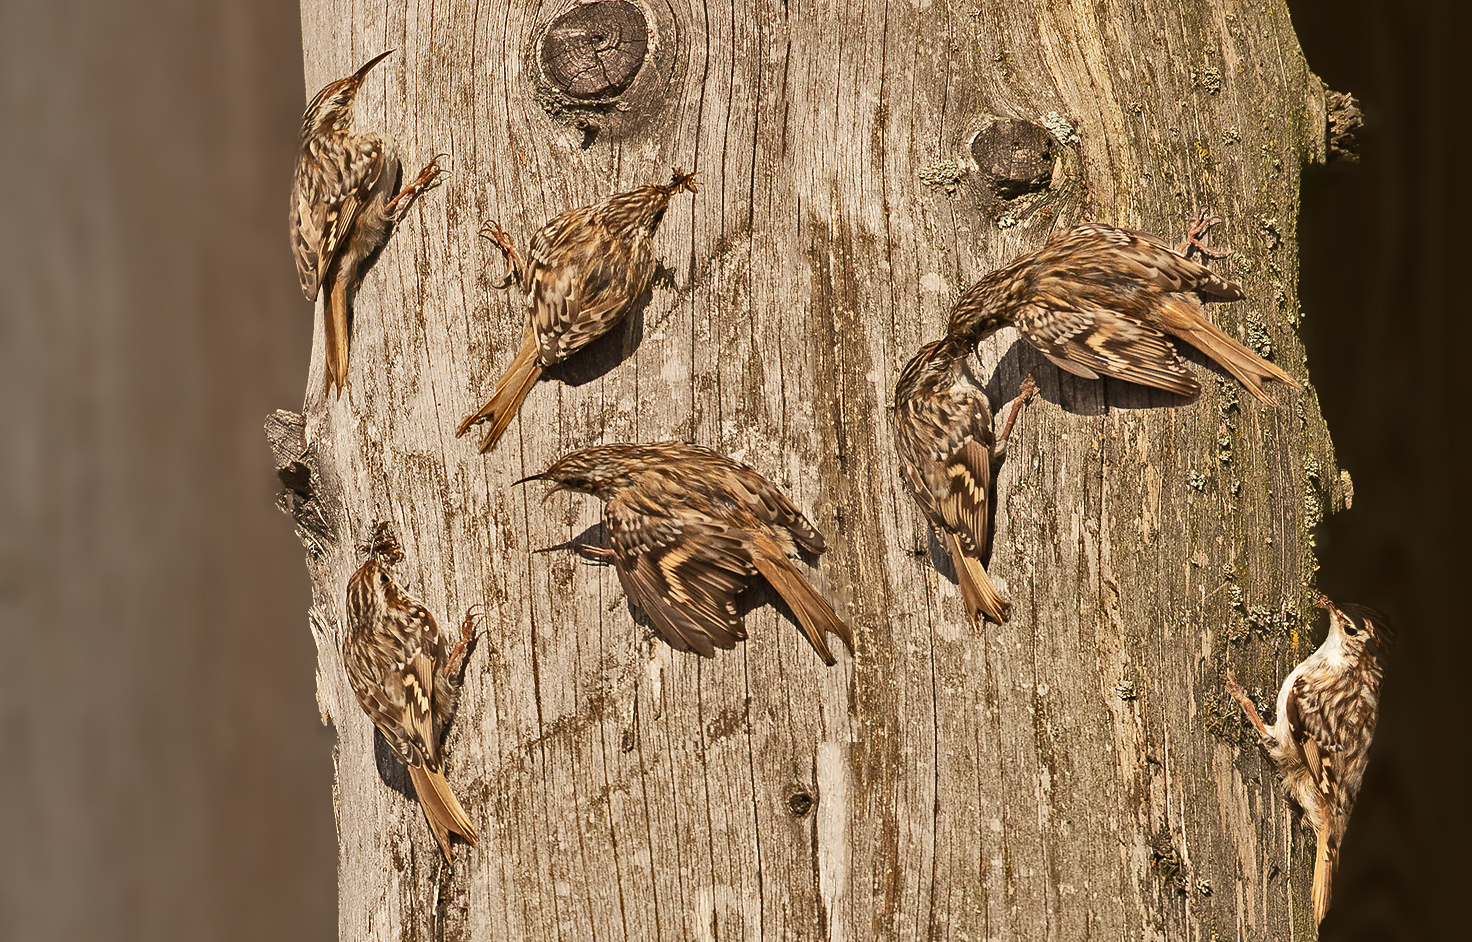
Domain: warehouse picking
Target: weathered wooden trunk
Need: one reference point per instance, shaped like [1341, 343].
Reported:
[1076, 773]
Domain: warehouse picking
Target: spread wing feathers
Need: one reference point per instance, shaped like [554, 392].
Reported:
[326, 207]
[1145, 257]
[768, 504]
[1182, 318]
[685, 572]
[1103, 342]
[814, 615]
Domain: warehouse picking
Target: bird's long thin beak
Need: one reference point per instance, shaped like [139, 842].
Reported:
[540, 477]
[370, 64]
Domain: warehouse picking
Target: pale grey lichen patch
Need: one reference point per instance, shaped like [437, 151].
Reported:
[1227, 401]
[1209, 78]
[1060, 128]
[1223, 445]
[1257, 337]
[946, 174]
[1268, 227]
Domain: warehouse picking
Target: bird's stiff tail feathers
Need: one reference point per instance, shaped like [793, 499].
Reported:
[441, 810]
[335, 328]
[813, 612]
[1324, 865]
[506, 400]
[977, 591]
[1252, 370]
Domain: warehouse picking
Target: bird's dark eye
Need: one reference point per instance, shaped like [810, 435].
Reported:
[383, 578]
[1350, 628]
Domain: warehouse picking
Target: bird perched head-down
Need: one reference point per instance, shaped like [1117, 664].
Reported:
[943, 436]
[400, 671]
[341, 211]
[585, 270]
[689, 531]
[1102, 301]
[1320, 738]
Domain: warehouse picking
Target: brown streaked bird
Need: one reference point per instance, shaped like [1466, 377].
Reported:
[1099, 300]
[587, 267]
[690, 529]
[943, 435]
[1320, 740]
[405, 681]
[341, 211]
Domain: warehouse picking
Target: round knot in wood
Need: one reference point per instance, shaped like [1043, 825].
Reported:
[595, 50]
[1016, 157]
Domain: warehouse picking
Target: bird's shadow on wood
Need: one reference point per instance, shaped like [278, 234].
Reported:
[605, 353]
[391, 769]
[1079, 395]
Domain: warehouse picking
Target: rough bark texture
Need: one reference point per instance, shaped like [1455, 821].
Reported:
[1077, 773]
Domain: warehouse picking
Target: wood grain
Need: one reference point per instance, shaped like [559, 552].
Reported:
[1075, 773]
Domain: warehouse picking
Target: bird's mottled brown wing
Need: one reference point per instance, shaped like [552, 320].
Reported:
[721, 477]
[327, 195]
[393, 677]
[682, 567]
[1319, 745]
[418, 680]
[963, 505]
[945, 458]
[770, 505]
[1103, 342]
[1144, 257]
[580, 287]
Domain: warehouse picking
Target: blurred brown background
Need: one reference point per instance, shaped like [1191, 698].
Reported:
[164, 772]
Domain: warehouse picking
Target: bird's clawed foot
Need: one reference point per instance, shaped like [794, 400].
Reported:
[1025, 391]
[1238, 694]
[515, 269]
[428, 177]
[456, 661]
[1198, 229]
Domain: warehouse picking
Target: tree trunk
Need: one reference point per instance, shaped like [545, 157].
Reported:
[1076, 773]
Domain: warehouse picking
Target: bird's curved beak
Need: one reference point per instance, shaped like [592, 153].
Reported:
[370, 64]
[556, 486]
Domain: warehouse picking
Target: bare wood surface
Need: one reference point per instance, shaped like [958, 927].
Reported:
[1073, 773]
